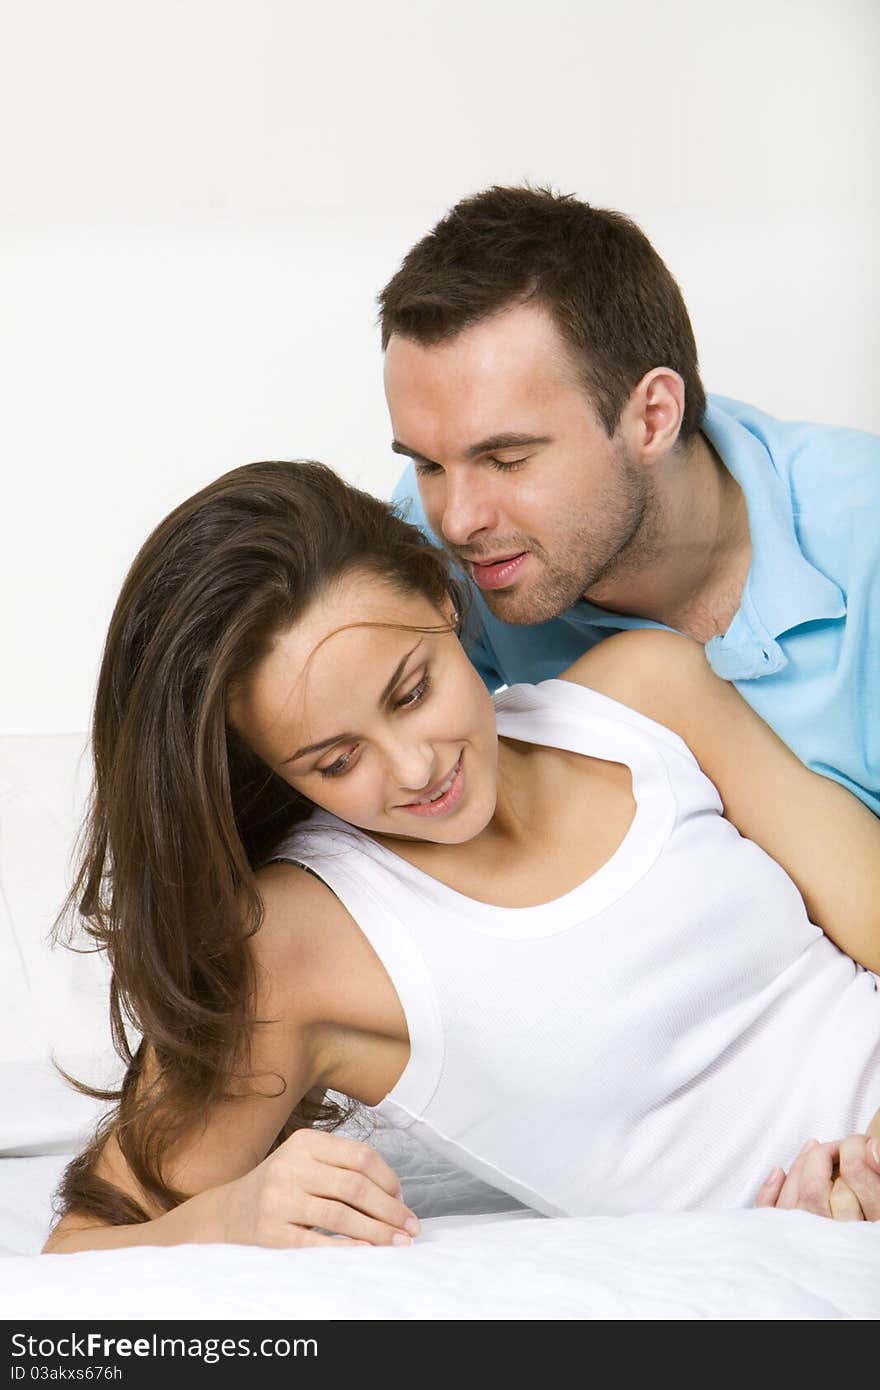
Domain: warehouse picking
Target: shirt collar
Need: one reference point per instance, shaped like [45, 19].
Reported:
[782, 589]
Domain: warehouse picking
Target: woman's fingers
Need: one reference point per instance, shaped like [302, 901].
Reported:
[808, 1184]
[340, 1218]
[770, 1189]
[368, 1210]
[337, 1188]
[353, 1191]
[341, 1152]
[302, 1237]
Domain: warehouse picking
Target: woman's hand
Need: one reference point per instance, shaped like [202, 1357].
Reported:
[315, 1179]
[839, 1179]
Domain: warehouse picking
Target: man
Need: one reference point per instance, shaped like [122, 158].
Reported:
[541, 373]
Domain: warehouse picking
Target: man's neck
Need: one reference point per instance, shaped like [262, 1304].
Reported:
[688, 564]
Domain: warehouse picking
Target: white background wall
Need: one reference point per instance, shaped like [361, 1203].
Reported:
[201, 198]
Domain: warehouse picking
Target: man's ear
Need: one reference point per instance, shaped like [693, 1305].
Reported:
[653, 414]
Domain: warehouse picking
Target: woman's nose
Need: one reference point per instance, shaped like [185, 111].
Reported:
[413, 767]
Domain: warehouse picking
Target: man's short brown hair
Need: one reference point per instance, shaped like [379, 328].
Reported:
[610, 295]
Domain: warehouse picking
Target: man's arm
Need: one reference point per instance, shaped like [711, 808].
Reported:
[408, 504]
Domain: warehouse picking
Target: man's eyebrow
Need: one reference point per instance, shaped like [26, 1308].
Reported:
[398, 448]
[340, 738]
[494, 444]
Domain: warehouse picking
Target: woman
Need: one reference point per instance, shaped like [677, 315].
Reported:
[317, 867]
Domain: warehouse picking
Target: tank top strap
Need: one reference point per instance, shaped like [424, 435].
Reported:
[595, 714]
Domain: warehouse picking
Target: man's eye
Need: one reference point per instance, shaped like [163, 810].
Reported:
[425, 470]
[336, 769]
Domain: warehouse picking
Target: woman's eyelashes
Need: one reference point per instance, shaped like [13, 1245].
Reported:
[412, 697]
[336, 769]
[416, 695]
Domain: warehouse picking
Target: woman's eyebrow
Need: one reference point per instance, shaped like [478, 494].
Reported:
[339, 738]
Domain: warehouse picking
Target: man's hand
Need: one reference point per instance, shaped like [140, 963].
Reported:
[840, 1179]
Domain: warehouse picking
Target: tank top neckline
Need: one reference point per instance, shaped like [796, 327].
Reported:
[583, 722]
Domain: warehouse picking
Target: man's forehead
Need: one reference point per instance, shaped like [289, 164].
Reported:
[521, 338]
[443, 400]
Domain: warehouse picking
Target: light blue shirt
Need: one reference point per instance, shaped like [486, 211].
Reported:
[804, 645]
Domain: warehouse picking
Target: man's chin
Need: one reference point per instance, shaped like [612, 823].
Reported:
[517, 608]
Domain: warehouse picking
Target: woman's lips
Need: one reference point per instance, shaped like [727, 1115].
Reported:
[444, 803]
[499, 573]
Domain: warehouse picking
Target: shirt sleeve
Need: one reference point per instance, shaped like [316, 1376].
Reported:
[407, 503]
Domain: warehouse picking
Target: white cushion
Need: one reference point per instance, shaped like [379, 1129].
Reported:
[53, 1001]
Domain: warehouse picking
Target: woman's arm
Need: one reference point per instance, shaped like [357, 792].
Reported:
[313, 1179]
[822, 835]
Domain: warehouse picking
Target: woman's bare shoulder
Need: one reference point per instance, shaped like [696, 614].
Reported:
[287, 886]
[302, 931]
[317, 967]
[646, 668]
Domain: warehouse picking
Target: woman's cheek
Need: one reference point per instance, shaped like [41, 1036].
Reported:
[359, 799]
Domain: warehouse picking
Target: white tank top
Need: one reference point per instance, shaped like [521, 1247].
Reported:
[658, 1038]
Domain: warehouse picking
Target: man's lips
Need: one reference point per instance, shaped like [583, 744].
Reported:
[494, 559]
[498, 573]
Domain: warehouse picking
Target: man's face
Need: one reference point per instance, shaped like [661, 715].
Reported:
[516, 473]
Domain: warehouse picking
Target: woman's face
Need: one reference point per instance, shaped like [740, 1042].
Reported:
[389, 728]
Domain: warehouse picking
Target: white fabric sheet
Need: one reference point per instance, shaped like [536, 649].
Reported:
[479, 1263]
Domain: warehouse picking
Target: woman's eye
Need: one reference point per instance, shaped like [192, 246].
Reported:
[417, 693]
[336, 769]
[412, 697]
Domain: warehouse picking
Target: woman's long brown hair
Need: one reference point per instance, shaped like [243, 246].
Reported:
[182, 812]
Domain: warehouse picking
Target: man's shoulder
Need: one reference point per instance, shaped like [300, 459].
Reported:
[824, 465]
[792, 435]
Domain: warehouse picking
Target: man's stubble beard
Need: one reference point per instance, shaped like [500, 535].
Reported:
[591, 564]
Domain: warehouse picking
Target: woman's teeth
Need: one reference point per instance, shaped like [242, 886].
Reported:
[426, 800]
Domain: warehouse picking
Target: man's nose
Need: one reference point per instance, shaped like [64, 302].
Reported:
[467, 509]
